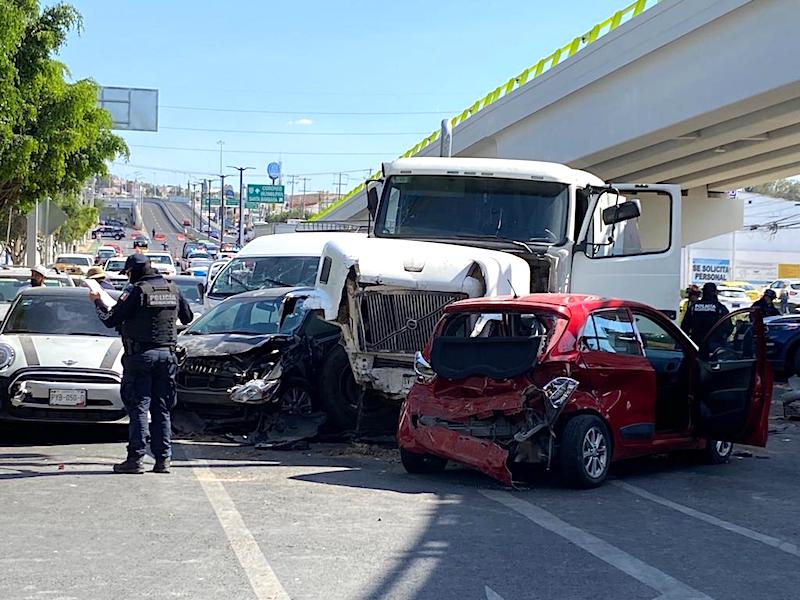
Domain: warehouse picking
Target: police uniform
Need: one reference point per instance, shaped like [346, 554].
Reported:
[145, 315]
[701, 316]
[767, 306]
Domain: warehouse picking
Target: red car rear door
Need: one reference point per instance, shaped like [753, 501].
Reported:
[733, 381]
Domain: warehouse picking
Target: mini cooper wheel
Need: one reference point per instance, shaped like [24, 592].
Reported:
[585, 453]
[421, 463]
[717, 452]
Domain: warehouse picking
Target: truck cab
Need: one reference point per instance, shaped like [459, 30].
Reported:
[450, 228]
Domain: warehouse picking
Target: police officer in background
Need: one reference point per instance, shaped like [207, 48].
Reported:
[145, 315]
[767, 303]
[702, 315]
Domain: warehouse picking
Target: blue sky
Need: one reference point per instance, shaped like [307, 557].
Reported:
[302, 59]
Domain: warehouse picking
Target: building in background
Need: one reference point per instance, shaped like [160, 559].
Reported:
[766, 248]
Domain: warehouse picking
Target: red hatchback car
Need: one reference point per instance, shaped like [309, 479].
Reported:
[576, 382]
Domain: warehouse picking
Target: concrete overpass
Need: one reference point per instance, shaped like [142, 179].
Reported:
[703, 93]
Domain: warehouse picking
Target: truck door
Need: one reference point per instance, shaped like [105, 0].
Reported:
[629, 246]
[732, 386]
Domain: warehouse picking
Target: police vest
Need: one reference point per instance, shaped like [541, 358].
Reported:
[154, 320]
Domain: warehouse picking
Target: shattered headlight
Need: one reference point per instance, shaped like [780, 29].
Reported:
[255, 391]
[559, 390]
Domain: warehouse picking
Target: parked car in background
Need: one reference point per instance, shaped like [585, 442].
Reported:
[577, 382]
[106, 231]
[103, 254]
[76, 264]
[733, 298]
[790, 285]
[112, 268]
[162, 263]
[58, 362]
[15, 279]
[188, 248]
[753, 292]
[187, 223]
[783, 344]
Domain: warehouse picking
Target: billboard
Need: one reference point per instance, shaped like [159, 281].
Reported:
[710, 269]
[132, 109]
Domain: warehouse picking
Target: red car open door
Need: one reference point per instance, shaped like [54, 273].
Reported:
[732, 388]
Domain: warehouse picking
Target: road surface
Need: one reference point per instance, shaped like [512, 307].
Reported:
[346, 522]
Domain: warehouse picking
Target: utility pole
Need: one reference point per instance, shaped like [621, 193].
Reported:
[220, 143]
[221, 205]
[292, 179]
[241, 201]
[208, 198]
[304, 180]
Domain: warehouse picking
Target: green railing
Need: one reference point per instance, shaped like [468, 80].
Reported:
[532, 72]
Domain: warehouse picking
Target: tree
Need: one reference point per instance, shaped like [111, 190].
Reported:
[53, 134]
[783, 188]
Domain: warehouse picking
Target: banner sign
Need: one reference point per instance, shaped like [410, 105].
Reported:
[267, 194]
[710, 269]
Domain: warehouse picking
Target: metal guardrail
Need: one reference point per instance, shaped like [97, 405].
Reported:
[532, 72]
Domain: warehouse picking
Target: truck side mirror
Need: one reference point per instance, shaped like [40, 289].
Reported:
[372, 201]
[621, 212]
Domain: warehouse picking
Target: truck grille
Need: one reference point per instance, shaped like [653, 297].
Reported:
[400, 321]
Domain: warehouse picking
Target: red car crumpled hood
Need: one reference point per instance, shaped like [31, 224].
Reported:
[475, 398]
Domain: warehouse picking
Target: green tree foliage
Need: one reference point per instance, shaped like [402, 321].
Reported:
[53, 134]
[788, 189]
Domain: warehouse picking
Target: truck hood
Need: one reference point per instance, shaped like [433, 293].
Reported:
[413, 265]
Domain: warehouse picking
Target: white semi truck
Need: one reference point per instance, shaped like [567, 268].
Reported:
[451, 228]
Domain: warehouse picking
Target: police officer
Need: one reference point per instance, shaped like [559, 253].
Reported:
[145, 315]
[702, 315]
[767, 303]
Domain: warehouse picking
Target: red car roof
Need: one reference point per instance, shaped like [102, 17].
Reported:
[565, 304]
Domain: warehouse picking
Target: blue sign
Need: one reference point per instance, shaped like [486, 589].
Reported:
[704, 270]
[229, 193]
[274, 170]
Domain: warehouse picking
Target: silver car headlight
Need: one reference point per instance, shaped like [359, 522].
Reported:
[7, 355]
[255, 391]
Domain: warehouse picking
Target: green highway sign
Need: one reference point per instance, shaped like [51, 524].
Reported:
[211, 202]
[258, 193]
[216, 202]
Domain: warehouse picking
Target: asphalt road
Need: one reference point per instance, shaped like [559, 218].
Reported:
[346, 522]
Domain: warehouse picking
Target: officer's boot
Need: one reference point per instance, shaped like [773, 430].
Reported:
[161, 466]
[129, 467]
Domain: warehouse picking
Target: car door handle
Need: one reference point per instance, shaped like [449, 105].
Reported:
[716, 367]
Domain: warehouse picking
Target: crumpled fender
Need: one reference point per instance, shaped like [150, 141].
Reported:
[485, 456]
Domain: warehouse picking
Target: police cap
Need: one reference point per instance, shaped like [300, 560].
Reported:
[134, 261]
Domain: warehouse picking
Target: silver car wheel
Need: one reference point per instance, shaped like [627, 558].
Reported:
[595, 452]
[723, 448]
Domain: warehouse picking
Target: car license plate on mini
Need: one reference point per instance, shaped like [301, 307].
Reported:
[67, 397]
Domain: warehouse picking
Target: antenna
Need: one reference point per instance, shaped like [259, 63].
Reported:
[512, 288]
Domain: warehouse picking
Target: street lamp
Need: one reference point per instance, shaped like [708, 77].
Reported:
[241, 201]
[221, 206]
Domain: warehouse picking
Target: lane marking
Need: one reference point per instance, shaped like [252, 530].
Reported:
[491, 594]
[757, 536]
[666, 585]
[262, 578]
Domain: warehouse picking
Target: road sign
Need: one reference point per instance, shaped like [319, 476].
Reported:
[51, 217]
[264, 194]
[274, 170]
[229, 193]
[212, 202]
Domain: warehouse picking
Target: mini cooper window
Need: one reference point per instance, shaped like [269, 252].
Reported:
[610, 331]
[55, 316]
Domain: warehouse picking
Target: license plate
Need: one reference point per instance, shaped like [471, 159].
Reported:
[67, 397]
[736, 305]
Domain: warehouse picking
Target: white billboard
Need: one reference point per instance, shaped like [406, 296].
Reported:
[132, 109]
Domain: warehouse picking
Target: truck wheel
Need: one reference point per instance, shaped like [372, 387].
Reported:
[585, 453]
[340, 393]
[716, 452]
[421, 463]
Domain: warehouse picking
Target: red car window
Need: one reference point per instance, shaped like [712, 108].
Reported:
[611, 331]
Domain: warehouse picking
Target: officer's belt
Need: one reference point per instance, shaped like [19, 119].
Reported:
[134, 347]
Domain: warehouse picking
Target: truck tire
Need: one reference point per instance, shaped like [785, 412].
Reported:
[585, 452]
[339, 392]
[421, 463]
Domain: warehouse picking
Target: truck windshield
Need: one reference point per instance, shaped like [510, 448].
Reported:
[244, 274]
[458, 207]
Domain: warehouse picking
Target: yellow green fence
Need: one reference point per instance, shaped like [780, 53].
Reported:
[535, 70]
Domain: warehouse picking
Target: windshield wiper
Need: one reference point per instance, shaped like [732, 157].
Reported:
[499, 238]
[240, 282]
[278, 282]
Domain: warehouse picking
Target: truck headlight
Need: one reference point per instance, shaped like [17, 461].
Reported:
[7, 355]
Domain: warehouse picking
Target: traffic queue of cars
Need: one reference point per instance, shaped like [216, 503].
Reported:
[570, 381]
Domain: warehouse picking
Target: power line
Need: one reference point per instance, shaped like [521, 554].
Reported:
[306, 112]
[262, 132]
[269, 152]
[257, 176]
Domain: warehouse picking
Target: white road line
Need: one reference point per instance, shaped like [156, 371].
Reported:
[668, 586]
[491, 594]
[262, 578]
[757, 536]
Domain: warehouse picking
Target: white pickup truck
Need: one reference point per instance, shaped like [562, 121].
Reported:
[452, 228]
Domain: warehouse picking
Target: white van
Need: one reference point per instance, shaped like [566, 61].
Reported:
[280, 260]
